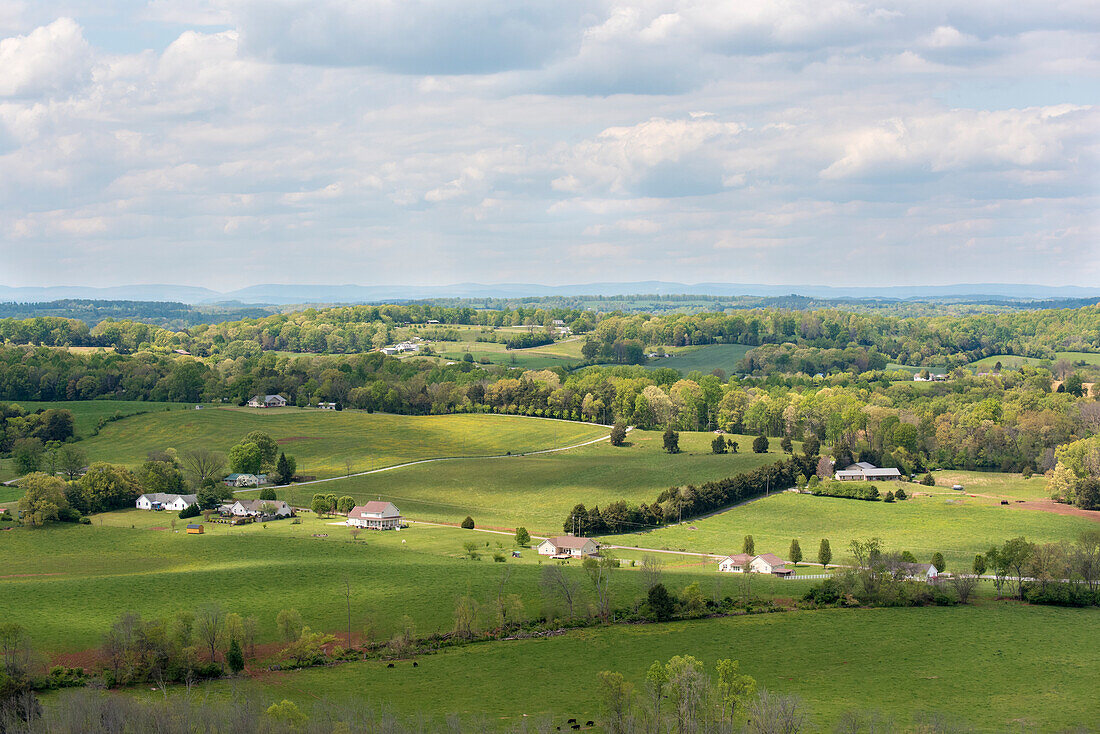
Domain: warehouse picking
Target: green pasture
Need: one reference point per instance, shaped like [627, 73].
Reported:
[323, 440]
[538, 491]
[998, 485]
[1013, 361]
[705, 358]
[998, 667]
[958, 527]
[86, 413]
[68, 583]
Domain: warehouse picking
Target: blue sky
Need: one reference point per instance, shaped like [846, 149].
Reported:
[226, 143]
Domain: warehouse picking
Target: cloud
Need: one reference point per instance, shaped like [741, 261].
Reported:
[412, 37]
[52, 59]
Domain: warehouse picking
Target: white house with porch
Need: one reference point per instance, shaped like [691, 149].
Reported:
[375, 515]
[163, 501]
[569, 545]
[768, 563]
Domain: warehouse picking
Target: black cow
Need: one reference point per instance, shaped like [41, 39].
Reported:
[390, 665]
[416, 664]
[590, 723]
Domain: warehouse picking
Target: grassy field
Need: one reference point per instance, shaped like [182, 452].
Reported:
[998, 667]
[705, 359]
[957, 527]
[68, 583]
[538, 491]
[1000, 485]
[321, 441]
[1012, 361]
[86, 413]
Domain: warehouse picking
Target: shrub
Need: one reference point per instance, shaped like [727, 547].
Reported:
[498, 557]
[760, 445]
[192, 511]
[267, 493]
[928, 480]
[889, 497]
[618, 433]
[847, 490]
[900, 494]
[468, 523]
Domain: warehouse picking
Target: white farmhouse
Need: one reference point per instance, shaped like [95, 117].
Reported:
[254, 508]
[160, 500]
[568, 545]
[375, 515]
[735, 563]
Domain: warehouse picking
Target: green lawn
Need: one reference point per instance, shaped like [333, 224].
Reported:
[705, 359]
[998, 666]
[86, 413]
[68, 583]
[957, 527]
[322, 440]
[538, 491]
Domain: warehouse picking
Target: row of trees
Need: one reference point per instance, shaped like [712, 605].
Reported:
[680, 503]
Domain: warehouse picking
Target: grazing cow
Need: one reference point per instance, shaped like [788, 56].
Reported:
[390, 665]
[590, 723]
[571, 721]
[416, 664]
[575, 727]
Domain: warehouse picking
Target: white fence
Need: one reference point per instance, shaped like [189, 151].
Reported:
[810, 577]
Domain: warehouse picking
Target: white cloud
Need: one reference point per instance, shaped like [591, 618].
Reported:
[52, 59]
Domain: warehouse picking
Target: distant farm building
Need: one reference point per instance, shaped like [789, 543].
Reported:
[735, 563]
[194, 529]
[327, 406]
[920, 571]
[866, 472]
[242, 480]
[375, 515]
[162, 501]
[565, 546]
[267, 401]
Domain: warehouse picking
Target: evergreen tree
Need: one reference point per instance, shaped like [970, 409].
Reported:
[796, 551]
[824, 553]
[718, 445]
[748, 546]
[468, 523]
[979, 564]
[811, 446]
[939, 562]
[660, 602]
[282, 470]
[760, 444]
[786, 445]
[671, 440]
[235, 657]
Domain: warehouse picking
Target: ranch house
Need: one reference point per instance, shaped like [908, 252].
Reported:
[267, 401]
[162, 501]
[327, 406]
[375, 515]
[764, 563]
[255, 508]
[568, 545]
[866, 472]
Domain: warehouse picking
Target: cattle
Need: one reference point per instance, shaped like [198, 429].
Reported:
[590, 723]
[390, 665]
[575, 727]
[416, 664]
[571, 721]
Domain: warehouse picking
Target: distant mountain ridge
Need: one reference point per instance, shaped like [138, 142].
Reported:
[280, 294]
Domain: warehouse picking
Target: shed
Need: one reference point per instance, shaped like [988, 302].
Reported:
[194, 529]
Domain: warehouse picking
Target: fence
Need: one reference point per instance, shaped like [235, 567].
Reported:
[811, 577]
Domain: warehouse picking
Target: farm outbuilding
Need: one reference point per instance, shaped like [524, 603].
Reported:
[194, 529]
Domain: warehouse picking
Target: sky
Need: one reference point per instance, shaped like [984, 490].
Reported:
[226, 143]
